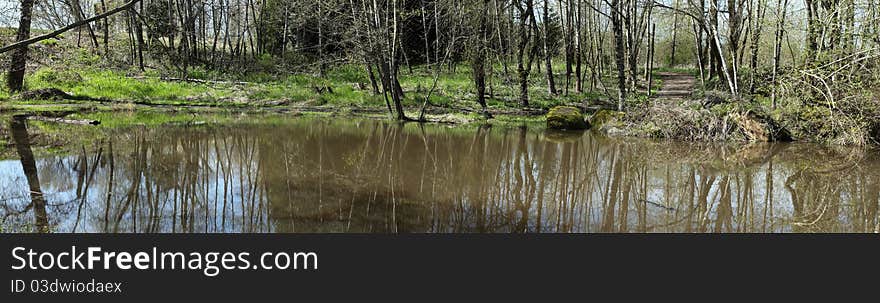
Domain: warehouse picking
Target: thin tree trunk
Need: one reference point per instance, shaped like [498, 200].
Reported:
[651, 59]
[579, 80]
[699, 52]
[756, 38]
[674, 35]
[551, 84]
[106, 30]
[479, 59]
[777, 47]
[524, 65]
[619, 52]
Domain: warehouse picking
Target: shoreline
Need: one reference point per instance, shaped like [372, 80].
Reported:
[160, 116]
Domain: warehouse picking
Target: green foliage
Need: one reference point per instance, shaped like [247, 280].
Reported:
[84, 57]
[266, 62]
[49, 42]
[48, 77]
[348, 73]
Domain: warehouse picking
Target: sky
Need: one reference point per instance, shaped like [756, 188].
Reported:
[9, 13]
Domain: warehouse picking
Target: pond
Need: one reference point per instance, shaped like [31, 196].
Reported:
[317, 175]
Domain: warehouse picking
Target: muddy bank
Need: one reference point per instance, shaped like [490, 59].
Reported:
[691, 120]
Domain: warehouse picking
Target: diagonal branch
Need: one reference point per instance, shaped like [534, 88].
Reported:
[71, 26]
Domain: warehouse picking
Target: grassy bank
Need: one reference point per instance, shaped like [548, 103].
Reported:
[344, 86]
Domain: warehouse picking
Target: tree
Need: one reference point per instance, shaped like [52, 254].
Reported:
[759, 9]
[548, 55]
[619, 52]
[525, 47]
[479, 54]
[18, 62]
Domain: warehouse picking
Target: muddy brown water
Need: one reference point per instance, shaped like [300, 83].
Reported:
[364, 176]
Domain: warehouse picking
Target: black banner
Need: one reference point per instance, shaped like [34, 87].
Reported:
[336, 267]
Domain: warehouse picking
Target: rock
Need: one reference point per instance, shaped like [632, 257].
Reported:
[605, 117]
[44, 94]
[566, 117]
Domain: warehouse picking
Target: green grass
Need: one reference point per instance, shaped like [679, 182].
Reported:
[350, 87]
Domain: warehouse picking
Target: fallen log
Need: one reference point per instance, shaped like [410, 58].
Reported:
[63, 120]
[200, 81]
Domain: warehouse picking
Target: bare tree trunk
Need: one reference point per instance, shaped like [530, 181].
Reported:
[478, 62]
[548, 55]
[372, 77]
[619, 52]
[651, 59]
[714, 50]
[524, 65]
[756, 38]
[566, 41]
[777, 47]
[322, 65]
[397, 92]
[713, 33]
[674, 35]
[18, 64]
[734, 29]
[106, 30]
[425, 32]
[699, 52]
[578, 52]
[812, 31]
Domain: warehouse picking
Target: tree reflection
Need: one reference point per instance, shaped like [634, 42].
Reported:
[29, 166]
[372, 176]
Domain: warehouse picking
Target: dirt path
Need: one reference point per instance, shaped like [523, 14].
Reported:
[676, 85]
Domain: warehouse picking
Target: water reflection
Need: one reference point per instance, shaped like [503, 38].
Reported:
[309, 175]
[37, 203]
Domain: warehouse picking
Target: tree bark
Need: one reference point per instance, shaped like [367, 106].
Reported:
[548, 55]
[18, 64]
[756, 38]
[619, 52]
[478, 63]
[524, 65]
[777, 47]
